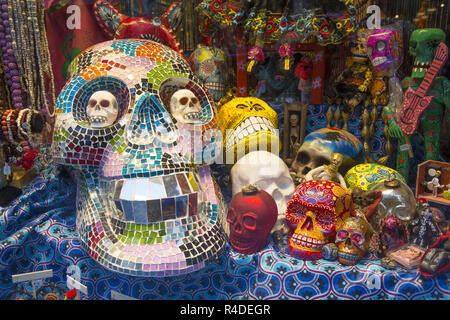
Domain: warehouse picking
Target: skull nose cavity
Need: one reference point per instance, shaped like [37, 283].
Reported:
[306, 170]
[308, 224]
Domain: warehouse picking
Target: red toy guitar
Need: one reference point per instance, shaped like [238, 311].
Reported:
[416, 102]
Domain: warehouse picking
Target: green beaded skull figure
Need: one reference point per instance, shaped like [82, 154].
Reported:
[423, 46]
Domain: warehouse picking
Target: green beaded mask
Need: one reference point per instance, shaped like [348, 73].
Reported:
[423, 45]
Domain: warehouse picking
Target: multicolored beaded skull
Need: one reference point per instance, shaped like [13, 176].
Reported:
[317, 209]
[210, 65]
[142, 208]
[385, 49]
[353, 240]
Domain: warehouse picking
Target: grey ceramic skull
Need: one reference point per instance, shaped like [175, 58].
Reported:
[318, 148]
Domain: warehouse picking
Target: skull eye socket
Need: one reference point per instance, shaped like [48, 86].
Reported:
[325, 219]
[249, 221]
[92, 103]
[380, 45]
[297, 210]
[194, 100]
[104, 103]
[413, 44]
[357, 238]
[321, 161]
[433, 45]
[342, 235]
[303, 157]
[184, 101]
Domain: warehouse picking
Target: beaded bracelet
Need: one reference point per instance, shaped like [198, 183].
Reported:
[22, 133]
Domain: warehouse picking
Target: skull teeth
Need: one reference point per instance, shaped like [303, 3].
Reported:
[192, 116]
[347, 256]
[248, 127]
[307, 242]
[379, 60]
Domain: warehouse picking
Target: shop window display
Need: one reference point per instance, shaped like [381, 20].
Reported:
[289, 149]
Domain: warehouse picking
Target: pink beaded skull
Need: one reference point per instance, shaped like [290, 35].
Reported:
[385, 49]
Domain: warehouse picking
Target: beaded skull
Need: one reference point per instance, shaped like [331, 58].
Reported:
[317, 209]
[385, 49]
[143, 208]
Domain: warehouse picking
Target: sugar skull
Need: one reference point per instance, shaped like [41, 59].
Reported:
[210, 64]
[102, 109]
[423, 44]
[248, 124]
[365, 175]
[251, 216]
[266, 171]
[319, 146]
[385, 49]
[317, 209]
[120, 26]
[304, 68]
[353, 240]
[143, 208]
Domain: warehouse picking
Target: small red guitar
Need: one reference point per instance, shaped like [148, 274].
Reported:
[415, 102]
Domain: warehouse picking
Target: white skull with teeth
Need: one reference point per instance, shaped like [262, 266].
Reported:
[102, 109]
[185, 107]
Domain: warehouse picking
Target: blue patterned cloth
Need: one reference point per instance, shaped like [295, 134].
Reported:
[37, 232]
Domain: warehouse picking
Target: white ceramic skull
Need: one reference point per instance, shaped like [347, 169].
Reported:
[185, 107]
[143, 208]
[266, 171]
[102, 109]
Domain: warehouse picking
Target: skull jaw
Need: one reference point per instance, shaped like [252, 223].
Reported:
[349, 256]
[101, 233]
[245, 245]
[306, 245]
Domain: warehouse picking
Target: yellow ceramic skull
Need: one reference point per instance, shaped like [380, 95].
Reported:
[248, 124]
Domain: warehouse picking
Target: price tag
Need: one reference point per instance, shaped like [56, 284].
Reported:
[6, 169]
[405, 147]
[75, 284]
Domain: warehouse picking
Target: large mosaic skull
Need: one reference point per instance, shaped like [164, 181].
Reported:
[143, 208]
[320, 145]
[211, 66]
[316, 211]
[423, 44]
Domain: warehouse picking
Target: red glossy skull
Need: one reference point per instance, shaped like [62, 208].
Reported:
[304, 68]
[251, 216]
[316, 210]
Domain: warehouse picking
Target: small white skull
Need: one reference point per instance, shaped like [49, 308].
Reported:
[185, 107]
[102, 109]
[268, 172]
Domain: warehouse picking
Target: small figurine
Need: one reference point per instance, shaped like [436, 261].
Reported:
[435, 183]
[423, 229]
[328, 172]
[303, 71]
[391, 234]
[294, 139]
